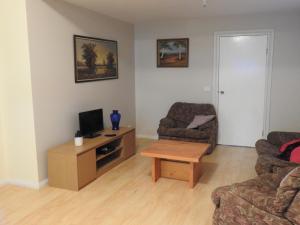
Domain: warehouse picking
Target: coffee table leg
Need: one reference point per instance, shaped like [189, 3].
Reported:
[155, 169]
[195, 173]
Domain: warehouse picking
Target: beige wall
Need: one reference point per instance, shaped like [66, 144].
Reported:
[158, 88]
[3, 166]
[18, 150]
[57, 99]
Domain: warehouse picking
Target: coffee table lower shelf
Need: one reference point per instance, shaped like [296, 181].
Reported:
[179, 170]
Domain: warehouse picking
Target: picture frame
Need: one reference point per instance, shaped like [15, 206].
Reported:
[172, 52]
[95, 59]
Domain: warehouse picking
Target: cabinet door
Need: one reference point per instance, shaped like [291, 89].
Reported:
[86, 165]
[129, 144]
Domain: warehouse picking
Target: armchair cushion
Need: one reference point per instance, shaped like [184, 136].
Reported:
[184, 133]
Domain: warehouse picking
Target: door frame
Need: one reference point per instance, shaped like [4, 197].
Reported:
[268, 83]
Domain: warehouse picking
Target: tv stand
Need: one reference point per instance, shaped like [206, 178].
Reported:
[72, 168]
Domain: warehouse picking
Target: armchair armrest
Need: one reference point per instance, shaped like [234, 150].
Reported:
[167, 123]
[269, 163]
[278, 138]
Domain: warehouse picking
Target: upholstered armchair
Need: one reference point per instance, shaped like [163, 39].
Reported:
[180, 115]
[269, 199]
[268, 150]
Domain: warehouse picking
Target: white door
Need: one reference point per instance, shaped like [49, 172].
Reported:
[242, 79]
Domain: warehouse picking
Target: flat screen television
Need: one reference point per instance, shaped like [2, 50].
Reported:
[91, 122]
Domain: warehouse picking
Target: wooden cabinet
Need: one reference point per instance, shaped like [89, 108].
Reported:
[72, 168]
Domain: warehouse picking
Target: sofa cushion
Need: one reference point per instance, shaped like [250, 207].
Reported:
[199, 120]
[256, 192]
[184, 133]
[290, 144]
[295, 155]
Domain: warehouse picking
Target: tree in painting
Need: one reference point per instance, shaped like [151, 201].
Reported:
[110, 60]
[164, 47]
[180, 47]
[90, 56]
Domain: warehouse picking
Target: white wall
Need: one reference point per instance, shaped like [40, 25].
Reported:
[17, 137]
[56, 98]
[158, 88]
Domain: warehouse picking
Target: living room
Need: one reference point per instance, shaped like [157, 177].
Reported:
[40, 98]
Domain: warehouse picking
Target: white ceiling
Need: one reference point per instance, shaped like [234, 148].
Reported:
[147, 10]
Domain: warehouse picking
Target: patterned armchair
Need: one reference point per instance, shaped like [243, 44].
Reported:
[268, 151]
[269, 199]
[180, 116]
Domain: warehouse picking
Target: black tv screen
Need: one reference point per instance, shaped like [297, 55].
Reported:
[91, 122]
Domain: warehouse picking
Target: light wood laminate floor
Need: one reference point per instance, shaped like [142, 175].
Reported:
[127, 196]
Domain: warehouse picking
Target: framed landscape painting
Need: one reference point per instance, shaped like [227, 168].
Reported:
[95, 59]
[173, 52]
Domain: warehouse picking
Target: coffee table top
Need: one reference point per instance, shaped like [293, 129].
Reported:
[176, 150]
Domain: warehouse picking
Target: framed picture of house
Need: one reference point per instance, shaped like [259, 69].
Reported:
[173, 52]
[95, 59]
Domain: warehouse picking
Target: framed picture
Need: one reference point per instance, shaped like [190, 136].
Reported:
[173, 52]
[95, 59]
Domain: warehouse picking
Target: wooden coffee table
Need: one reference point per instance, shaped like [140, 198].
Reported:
[176, 159]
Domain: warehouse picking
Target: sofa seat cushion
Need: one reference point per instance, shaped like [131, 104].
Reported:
[184, 133]
[231, 209]
[256, 193]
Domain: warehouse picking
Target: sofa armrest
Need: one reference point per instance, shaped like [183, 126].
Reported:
[218, 193]
[278, 138]
[167, 123]
[264, 147]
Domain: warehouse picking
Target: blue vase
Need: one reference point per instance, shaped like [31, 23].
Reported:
[115, 118]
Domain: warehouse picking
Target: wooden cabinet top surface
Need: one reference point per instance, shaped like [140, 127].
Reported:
[90, 143]
[176, 150]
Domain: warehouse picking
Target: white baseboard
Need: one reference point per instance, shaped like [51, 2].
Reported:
[3, 182]
[154, 137]
[26, 184]
[43, 183]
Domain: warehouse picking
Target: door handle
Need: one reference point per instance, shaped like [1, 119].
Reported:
[222, 92]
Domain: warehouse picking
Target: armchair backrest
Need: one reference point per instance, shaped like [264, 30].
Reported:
[185, 112]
